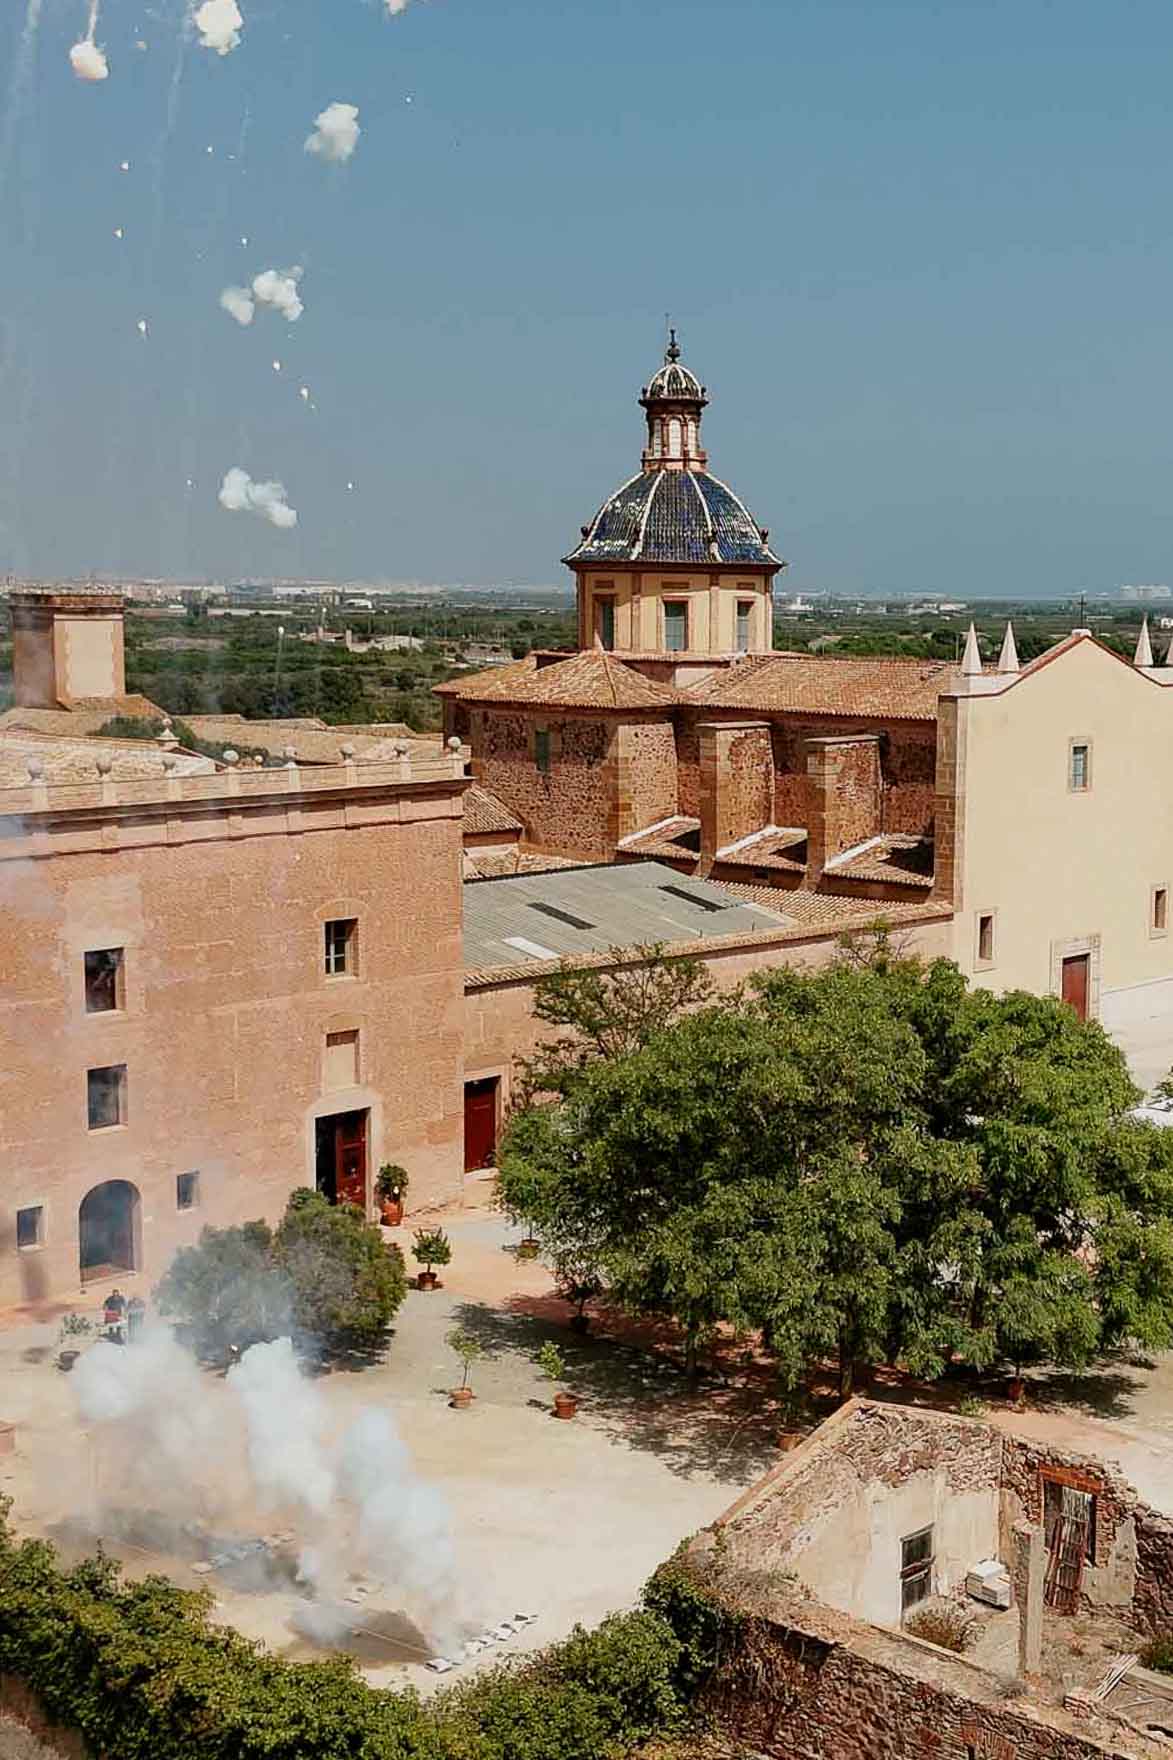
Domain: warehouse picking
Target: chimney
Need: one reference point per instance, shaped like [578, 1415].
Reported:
[66, 644]
[1028, 1597]
[736, 783]
[844, 791]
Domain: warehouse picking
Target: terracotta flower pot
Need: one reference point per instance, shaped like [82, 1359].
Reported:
[66, 1359]
[789, 1439]
[392, 1211]
[461, 1398]
[565, 1405]
[426, 1280]
[527, 1249]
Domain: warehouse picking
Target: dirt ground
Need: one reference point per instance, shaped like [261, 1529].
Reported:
[561, 1520]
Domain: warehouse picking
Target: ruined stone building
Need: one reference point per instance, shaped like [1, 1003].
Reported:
[1052, 1561]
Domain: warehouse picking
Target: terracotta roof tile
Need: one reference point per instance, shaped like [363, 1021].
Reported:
[483, 812]
[906, 690]
[472, 681]
[592, 679]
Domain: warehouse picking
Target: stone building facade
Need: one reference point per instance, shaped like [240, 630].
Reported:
[218, 988]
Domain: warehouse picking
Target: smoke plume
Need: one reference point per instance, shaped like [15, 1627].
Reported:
[395, 7]
[219, 23]
[335, 135]
[276, 288]
[258, 1447]
[86, 59]
[239, 494]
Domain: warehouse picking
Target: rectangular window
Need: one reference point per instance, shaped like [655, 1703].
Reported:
[605, 622]
[341, 1069]
[104, 980]
[187, 1191]
[675, 626]
[106, 1096]
[744, 618]
[985, 939]
[30, 1227]
[1160, 914]
[1081, 767]
[542, 749]
[341, 948]
[916, 1568]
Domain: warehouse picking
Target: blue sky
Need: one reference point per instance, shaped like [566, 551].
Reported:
[919, 253]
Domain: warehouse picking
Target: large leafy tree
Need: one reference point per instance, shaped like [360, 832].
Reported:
[872, 1161]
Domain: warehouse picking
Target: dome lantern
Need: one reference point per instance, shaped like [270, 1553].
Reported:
[673, 401]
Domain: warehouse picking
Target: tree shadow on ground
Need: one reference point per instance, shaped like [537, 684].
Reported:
[725, 1426]
[1105, 1392]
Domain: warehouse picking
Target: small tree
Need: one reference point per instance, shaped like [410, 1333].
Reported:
[551, 1362]
[346, 1284]
[226, 1291]
[431, 1247]
[392, 1182]
[467, 1346]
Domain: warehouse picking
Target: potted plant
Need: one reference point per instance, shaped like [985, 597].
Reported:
[391, 1184]
[73, 1327]
[553, 1367]
[431, 1247]
[468, 1348]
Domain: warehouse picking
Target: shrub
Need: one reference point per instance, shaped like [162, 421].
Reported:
[970, 1406]
[705, 1629]
[141, 1672]
[392, 1180]
[944, 1623]
[1158, 1653]
[551, 1362]
[346, 1284]
[225, 1291]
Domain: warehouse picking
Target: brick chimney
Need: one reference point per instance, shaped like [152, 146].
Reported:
[843, 790]
[736, 783]
[66, 645]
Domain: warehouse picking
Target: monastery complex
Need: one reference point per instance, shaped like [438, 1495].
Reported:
[225, 981]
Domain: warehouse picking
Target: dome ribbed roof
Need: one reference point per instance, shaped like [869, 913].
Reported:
[674, 516]
[674, 381]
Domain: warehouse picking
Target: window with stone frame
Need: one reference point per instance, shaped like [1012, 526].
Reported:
[341, 947]
[916, 1569]
[675, 626]
[103, 976]
[106, 1097]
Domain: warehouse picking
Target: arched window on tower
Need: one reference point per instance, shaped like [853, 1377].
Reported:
[692, 449]
[657, 439]
[675, 437]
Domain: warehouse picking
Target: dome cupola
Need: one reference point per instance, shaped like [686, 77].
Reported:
[673, 401]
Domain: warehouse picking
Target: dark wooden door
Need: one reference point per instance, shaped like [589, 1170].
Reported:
[350, 1150]
[1075, 985]
[480, 1125]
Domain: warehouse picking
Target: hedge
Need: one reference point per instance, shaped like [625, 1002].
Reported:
[140, 1670]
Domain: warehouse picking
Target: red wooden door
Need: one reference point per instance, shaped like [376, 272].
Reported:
[1075, 986]
[480, 1125]
[350, 1149]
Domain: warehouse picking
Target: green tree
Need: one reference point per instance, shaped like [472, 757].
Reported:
[346, 1283]
[225, 1291]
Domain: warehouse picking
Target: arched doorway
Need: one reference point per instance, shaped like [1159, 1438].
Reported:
[108, 1226]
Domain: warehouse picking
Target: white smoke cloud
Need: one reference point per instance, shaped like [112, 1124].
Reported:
[395, 7]
[239, 494]
[336, 133]
[276, 288]
[88, 61]
[219, 23]
[238, 302]
[176, 1444]
[286, 1418]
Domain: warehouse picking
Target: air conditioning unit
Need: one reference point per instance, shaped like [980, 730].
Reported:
[989, 1581]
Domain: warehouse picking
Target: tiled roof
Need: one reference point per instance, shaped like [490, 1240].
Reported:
[481, 864]
[76, 760]
[483, 812]
[313, 742]
[84, 718]
[892, 858]
[456, 687]
[674, 516]
[591, 679]
[904, 690]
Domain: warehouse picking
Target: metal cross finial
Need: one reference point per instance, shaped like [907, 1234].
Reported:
[672, 353]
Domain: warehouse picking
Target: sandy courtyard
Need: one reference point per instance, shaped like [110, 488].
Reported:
[561, 1520]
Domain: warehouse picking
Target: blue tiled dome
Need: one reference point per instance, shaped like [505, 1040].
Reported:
[674, 516]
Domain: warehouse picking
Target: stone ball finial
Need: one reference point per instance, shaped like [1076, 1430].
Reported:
[231, 757]
[348, 752]
[105, 763]
[289, 752]
[168, 762]
[35, 768]
[401, 748]
[454, 742]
